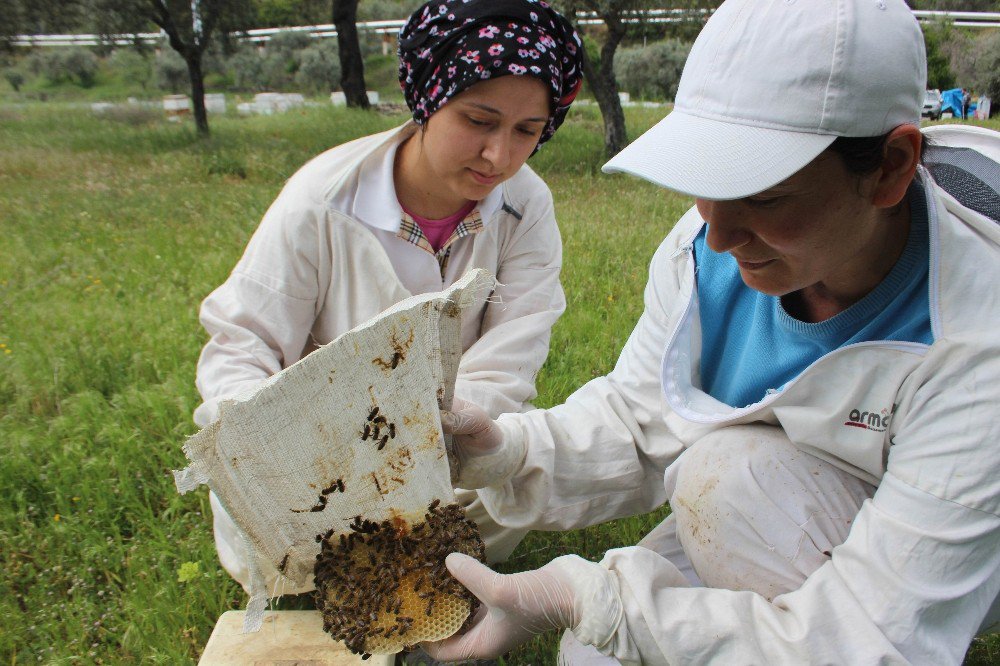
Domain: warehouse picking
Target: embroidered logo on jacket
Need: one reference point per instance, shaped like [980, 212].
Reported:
[877, 421]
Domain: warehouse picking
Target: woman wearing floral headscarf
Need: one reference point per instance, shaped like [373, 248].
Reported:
[409, 211]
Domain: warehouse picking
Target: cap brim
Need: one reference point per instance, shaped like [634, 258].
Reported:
[710, 159]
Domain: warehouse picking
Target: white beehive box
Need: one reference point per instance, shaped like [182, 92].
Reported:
[177, 106]
[215, 103]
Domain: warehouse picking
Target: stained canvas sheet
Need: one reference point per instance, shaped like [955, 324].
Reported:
[352, 429]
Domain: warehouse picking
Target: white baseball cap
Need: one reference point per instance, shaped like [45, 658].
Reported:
[770, 84]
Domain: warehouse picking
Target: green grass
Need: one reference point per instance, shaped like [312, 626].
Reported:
[112, 232]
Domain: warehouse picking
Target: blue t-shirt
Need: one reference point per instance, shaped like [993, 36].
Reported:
[751, 345]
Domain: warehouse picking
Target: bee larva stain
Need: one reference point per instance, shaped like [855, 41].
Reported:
[367, 580]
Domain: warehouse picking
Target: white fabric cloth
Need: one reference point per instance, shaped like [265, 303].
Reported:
[327, 257]
[920, 568]
[295, 458]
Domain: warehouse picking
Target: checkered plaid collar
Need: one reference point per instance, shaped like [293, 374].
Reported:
[410, 231]
[375, 201]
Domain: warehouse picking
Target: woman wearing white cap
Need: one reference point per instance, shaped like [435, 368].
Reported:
[813, 385]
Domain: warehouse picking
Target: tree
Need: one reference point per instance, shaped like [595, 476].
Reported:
[31, 17]
[189, 26]
[278, 13]
[652, 71]
[986, 79]
[352, 66]
[600, 71]
[10, 25]
[622, 19]
[939, 74]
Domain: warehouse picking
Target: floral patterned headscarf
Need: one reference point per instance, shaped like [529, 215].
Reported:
[449, 45]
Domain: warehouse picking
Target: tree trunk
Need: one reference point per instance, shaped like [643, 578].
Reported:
[605, 87]
[193, 58]
[352, 66]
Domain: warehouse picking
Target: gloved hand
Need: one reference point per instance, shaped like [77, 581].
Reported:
[515, 608]
[484, 457]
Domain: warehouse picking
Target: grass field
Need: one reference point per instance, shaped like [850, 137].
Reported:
[111, 232]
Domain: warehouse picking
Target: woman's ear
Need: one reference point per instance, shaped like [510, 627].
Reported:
[899, 163]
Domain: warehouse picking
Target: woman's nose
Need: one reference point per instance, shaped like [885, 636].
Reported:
[727, 225]
[497, 150]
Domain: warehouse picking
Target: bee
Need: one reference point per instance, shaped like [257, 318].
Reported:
[367, 431]
[320, 505]
[396, 358]
[392, 430]
[340, 485]
[372, 413]
[434, 504]
[284, 563]
[382, 442]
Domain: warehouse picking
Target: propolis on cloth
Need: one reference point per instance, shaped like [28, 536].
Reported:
[336, 468]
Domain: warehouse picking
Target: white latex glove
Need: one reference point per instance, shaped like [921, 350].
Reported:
[483, 455]
[515, 608]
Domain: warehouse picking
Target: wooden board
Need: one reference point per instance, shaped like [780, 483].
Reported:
[287, 638]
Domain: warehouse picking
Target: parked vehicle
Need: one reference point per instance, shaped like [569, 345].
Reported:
[932, 105]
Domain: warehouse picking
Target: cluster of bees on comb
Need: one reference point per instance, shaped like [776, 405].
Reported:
[383, 586]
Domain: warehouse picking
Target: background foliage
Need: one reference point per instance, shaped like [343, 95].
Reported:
[651, 71]
[647, 65]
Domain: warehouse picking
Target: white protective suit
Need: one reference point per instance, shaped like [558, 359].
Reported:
[327, 257]
[920, 568]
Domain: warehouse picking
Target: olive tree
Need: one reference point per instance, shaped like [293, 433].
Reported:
[35, 17]
[189, 26]
[352, 65]
[623, 20]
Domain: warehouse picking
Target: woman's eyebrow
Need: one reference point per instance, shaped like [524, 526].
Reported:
[490, 109]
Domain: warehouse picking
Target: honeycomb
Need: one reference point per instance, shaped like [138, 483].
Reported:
[382, 587]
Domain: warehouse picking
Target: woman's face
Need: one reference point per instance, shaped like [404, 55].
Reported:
[483, 135]
[818, 229]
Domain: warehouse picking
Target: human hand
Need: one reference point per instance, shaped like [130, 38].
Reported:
[515, 608]
[483, 456]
